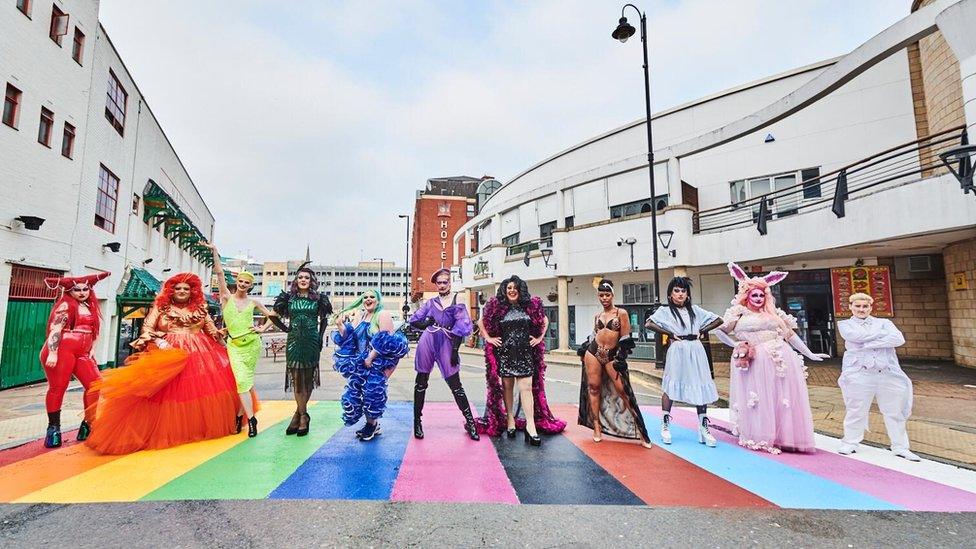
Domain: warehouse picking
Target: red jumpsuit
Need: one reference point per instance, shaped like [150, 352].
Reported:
[74, 357]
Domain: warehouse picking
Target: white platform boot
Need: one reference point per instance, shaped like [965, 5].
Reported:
[666, 428]
[704, 436]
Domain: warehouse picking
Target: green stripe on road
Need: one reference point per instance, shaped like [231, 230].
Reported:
[252, 469]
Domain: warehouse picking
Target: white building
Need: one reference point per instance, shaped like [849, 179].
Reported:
[879, 115]
[81, 150]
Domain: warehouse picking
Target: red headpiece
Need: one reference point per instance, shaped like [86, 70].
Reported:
[67, 282]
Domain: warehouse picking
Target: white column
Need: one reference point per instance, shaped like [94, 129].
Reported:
[958, 26]
[674, 182]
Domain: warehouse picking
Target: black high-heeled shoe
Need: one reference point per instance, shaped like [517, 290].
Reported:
[302, 431]
[252, 427]
[84, 431]
[293, 425]
[239, 425]
[533, 440]
[510, 433]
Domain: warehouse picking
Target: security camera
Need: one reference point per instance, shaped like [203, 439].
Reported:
[620, 242]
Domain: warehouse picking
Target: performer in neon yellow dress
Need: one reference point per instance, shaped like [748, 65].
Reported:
[243, 339]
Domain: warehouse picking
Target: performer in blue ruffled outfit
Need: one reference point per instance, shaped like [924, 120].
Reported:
[444, 323]
[367, 352]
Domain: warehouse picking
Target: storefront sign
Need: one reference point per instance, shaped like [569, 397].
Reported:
[959, 281]
[874, 281]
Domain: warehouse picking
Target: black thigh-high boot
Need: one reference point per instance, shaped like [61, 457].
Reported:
[454, 382]
[419, 394]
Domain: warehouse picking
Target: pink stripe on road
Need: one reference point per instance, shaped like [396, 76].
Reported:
[447, 466]
[914, 493]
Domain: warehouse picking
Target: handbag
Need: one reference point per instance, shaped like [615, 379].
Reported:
[243, 340]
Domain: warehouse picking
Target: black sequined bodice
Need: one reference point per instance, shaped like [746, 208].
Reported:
[515, 354]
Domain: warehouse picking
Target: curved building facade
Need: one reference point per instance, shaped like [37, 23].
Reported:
[830, 171]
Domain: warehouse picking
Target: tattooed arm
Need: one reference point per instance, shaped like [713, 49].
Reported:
[58, 323]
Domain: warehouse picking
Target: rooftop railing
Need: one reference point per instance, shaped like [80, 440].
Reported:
[905, 163]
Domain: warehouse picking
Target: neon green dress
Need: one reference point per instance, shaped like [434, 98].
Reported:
[243, 344]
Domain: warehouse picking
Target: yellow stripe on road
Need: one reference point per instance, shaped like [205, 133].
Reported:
[131, 477]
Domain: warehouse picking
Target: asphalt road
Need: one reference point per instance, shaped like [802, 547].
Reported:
[280, 523]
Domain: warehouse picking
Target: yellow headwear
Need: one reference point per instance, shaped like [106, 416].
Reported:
[244, 275]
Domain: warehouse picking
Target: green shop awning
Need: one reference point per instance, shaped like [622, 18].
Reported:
[140, 289]
[161, 209]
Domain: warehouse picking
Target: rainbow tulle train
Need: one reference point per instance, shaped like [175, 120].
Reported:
[166, 397]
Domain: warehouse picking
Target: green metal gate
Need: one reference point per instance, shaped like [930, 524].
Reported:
[24, 332]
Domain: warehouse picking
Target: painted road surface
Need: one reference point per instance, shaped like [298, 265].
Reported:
[447, 467]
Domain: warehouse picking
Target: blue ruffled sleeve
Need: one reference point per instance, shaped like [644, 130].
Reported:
[390, 348]
[347, 350]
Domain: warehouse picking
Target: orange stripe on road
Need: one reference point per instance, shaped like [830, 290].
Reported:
[23, 477]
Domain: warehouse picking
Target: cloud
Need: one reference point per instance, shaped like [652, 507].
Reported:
[316, 122]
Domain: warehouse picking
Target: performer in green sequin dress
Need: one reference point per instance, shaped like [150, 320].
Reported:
[243, 339]
[307, 311]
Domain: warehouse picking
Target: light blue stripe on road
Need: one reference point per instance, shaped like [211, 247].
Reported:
[768, 479]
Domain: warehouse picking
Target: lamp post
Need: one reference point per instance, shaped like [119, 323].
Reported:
[406, 282]
[624, 31]
[380, 259]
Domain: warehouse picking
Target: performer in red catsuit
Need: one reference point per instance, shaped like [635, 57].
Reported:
[71, 332]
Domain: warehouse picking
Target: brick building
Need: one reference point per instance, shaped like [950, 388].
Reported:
[440, 210]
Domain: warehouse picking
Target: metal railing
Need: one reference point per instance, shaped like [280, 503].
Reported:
[908, 162]
[528, 246]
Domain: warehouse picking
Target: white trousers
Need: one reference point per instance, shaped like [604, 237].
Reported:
[894, 393]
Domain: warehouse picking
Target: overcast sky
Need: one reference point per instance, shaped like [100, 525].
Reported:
[314, 122]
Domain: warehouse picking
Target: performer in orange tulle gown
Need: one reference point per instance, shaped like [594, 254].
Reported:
[179, 389]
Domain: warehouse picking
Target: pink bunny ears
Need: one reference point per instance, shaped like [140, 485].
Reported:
[773, 278]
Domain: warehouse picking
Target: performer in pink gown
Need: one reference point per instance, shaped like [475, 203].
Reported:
[768, 400]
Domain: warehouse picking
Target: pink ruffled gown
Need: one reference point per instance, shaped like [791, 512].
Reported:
[768, 401]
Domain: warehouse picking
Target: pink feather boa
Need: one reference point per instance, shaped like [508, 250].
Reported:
[495, 420]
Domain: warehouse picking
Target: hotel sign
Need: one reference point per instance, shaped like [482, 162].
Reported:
[874, 281]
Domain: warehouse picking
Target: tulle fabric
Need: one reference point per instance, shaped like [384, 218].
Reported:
[770, 407]
[166, 397]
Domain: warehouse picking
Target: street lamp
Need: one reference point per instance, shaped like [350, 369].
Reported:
[959, 161]
[406, 282]
[666, 237]
[380, 259]
[624, 31]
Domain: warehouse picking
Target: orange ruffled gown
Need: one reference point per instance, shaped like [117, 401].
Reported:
[181, 389]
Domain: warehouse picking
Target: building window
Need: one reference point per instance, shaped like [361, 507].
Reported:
[68, 141]
[570, 221]
[108, 195]
[637, 207]
[24, 6]
[511, 239]
[637, 293]
[545, 230]
[78, 49]
[11, 106]
[811, 182]
[44, 128]
[59, 25]
[115, 103]
[135, 203]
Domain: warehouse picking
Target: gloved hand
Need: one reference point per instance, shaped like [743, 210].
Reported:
[422, 324]
[456, 346]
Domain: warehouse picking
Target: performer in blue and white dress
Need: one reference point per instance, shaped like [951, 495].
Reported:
[379, 348]
[687, 377]
[870, 370]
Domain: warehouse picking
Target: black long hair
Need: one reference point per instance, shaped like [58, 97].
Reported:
[523, 290]
[684, 283]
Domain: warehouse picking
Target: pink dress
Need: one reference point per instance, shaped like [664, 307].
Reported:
[768, 401]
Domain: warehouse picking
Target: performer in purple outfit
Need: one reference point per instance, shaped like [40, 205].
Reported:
[445, 323]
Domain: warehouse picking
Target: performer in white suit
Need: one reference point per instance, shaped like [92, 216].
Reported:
[870, 369]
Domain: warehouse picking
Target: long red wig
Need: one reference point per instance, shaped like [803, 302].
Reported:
[165, 297]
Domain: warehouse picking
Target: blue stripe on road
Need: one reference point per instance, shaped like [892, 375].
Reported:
[346, 468]
[768, 479]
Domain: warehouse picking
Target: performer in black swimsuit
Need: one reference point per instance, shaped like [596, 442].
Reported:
[607, 400]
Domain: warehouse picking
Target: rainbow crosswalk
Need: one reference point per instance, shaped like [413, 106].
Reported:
[330, 463]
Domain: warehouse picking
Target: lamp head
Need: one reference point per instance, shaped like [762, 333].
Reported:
[31, 223]
[665, 237]
[114, 246]
[623, 31]
[959, 161]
